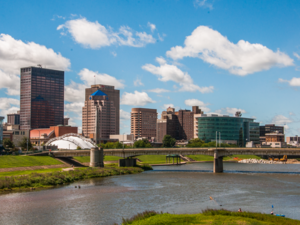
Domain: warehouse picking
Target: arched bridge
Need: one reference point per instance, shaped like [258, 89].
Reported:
[218, 153]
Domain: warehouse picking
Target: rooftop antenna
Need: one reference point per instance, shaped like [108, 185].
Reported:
[39, 65]
[95, 79]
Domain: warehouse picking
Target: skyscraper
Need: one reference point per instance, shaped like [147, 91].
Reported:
[112, 94]
[41, 98]
[98, 117]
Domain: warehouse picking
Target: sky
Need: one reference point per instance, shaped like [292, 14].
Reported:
[221, 55]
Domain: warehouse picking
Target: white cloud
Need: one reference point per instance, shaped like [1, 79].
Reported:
[168, 105]
[152, 26]
[124, 115]
[240, 59]
[15, 54]
[138, 82]
[203, 4]
[166, 72]
[296, 55]
[295, 81]
[196, 102]
[229, 110]
[75, 107]
[114, 54]
[158, 90]
[9, 105]
[94, 35]
[136, 98]
[280, 120]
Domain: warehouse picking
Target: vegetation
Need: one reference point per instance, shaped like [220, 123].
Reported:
[9, 161]
[208, 217]
[63, 177]
[168, 141]
[200, 143]
[152, 159]
[112, 145]
[78, 148]
[201, 157]
[144, 143]
[23, 144]
[211, 158]
[7, 143]
[26, 172]
[84, 159]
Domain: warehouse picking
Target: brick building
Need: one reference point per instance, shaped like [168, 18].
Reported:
[143, 123]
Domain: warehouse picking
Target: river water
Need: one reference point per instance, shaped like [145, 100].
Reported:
[173, 189]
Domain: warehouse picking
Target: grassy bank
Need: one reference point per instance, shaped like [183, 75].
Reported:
[54, 177]
[208, 217]
[85, 159]
[26, 172]
[9, 161]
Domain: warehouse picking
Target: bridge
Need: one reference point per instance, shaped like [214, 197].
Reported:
[218, 153]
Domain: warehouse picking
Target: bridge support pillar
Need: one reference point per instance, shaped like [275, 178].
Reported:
[96, 157]
[127, 162]
[218, 163]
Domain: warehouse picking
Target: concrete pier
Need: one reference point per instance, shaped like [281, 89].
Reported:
[96, 157]
[127, 162]
[218, 163]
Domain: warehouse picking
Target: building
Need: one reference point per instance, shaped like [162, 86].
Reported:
[275, 140]
[99, 117]
[112, 94]
[71, 142]
[270, 128]
[1, 132]
[143, 123]
[41, 98]
[180, 124]
[14, 118]
[127, 139]
[234, 130]
[294, 141]
[66, 121]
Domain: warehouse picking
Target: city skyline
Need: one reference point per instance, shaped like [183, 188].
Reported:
[210, 56]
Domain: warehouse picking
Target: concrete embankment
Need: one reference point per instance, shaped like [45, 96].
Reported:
[262, 161]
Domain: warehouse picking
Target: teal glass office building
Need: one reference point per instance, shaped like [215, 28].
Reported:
[237, 129]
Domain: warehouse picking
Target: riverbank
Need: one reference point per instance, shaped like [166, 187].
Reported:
[263, 161]
[52, 179]
[208, 217]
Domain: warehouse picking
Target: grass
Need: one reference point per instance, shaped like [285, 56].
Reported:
[9, 161]
[208, 217]
[201, 157]
[152, 159]
[84, 159]
[26, 172]
[211, 158]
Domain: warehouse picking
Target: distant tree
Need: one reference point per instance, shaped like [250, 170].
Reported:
[168, 141]
[196, 142]
[78, 148]
[23, 144]
[7, 143]
[144, 143]
[112, 145]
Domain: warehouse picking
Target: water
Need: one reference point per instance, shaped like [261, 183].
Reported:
[108, 200]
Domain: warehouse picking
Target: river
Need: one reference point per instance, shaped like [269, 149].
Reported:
[173, 189]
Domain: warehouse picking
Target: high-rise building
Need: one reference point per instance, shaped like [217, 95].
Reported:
[269, 128]
[66, 121]
[41, 98]
[99, 117]
[113, 96]
[143, 123]
[13, 118]
[1, 131]
[180, 124]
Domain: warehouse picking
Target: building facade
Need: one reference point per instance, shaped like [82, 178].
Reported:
[14, 118]
[41, 98]
[179, 125]
[99, 117]
[143, 123]
[1, 131]
[113, 96]
[270, 128]
[235, 130]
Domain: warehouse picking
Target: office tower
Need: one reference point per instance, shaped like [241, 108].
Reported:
[112, 94]
[99, 117]
[180, 124]
[66, 121]
[1, 130]
[41, 98]
[143, 123]
[269, 128]
[13, 118]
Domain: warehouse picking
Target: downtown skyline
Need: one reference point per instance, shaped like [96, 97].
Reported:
[220, 56]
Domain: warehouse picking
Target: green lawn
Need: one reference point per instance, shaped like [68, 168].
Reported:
[25, 172]
[84, 159]
[8, 161]
[201, 157]
[211, 158]
[152, 159]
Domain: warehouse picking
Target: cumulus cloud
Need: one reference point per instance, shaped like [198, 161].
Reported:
[8, 105]
[15, 54]
[281, 120]
[166, 72]
[203, 4]
[297, 56]
[229, 110]
[158, 90]
[168, 105]
[295, 81]
[138, 82]
[152, 26]
[124, 115]
[136, 98]
[240, 59]
[75, 107]
[94, 35]
[196, 102]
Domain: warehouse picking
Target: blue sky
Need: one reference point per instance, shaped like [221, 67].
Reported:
[220, 55]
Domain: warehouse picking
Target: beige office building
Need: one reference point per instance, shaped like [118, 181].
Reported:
[143, 123]
[99, 117]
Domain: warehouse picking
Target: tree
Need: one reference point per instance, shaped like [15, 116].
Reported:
[78, 148]
[196, 142]
[23, 144]
[7, 143]
[144, 143]
[168, 141]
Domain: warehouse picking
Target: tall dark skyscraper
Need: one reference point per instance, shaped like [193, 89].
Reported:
[41, 98]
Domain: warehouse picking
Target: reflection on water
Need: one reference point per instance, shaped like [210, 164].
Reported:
[107, 200]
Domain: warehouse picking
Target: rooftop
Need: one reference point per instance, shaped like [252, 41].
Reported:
[99, 93]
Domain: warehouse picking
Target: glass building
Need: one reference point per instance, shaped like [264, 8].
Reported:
[41, 98]
[233, 129]
[1, 130]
